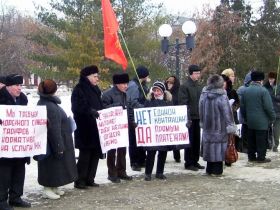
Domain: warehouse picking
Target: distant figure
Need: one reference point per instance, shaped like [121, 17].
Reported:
[217, 122]
[136, 99]
[257, 110]
[58, 166]
[12, 170]
[274, 91]
[86, 101]
[189, 94]
[172, 84]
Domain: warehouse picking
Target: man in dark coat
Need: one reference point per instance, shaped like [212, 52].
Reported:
[86, 101]
[116, 96]
[136, 99]
[189, 94]
[274, 91]
[12, 170]
[257, 110]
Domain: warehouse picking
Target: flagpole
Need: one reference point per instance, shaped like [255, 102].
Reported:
[277, 76]
[133, 62]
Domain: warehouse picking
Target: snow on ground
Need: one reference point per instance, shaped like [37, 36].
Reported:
[242, 170]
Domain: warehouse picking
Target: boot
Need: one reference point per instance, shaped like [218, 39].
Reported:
[5, 206]
[58, 191]
[50, 194]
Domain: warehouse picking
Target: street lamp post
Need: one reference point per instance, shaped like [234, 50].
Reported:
[165, 30]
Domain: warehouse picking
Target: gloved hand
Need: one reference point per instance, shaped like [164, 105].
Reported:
[94, 113]
[133, 124]
[189, 124]
[1, 122]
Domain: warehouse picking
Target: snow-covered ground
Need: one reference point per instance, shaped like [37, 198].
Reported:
[242, 170]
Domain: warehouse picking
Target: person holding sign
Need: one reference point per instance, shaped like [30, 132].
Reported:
[116, 96]
[158, 97]
[86, 101]
[216, 120]
[12, 170]
[58, 167]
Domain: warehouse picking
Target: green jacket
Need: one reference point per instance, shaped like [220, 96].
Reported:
[256, 107]
[189, 94]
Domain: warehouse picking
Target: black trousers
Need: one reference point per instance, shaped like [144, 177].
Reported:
[137, 155]
[214, 168]
[192, 152]
[257, 142]
[151, 159]
[244, 138]
[176, 154]
[87, 165]
[12, 174]
[116, 162]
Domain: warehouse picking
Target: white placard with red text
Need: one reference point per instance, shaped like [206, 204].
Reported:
[23, 132]
[113, 128]
[158, 126]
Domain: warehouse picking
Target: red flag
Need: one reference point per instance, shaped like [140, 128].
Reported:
[112, 46]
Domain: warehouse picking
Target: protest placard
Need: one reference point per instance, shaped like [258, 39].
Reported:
[161, 126]
[23, 132]
[113, 128]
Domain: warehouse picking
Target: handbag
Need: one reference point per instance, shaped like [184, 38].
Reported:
[231, 152]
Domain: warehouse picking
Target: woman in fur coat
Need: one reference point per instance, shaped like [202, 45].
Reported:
[216, 120]
[158, 97]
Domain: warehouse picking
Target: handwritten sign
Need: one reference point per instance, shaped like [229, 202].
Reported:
[23, 132]
[161, 126]
[113, 128]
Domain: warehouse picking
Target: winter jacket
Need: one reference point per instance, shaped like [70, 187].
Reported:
[275, 98]
[57, 169]
[7, 99]
[152, 102]
[256, 107]
[113, 97]
[189, 94]
[85, 98]
[217, 122]
[135, 95]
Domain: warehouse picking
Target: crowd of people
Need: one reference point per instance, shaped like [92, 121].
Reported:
[216, 108]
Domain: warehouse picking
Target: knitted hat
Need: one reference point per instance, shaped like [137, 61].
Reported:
[257, 76]
[159, 85]
[14, 79]
[3, 79]
[47, 87]
[88, 70]
[193, 68]
[120, 78]
[228, 72]
[142, 72]
[272, 74]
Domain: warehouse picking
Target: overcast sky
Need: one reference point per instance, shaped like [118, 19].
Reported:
[185, 7]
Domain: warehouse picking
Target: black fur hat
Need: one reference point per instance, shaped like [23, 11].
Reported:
[88, 70]
[257, 76]
[14, 79]
[120, 78]
[193, 68]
